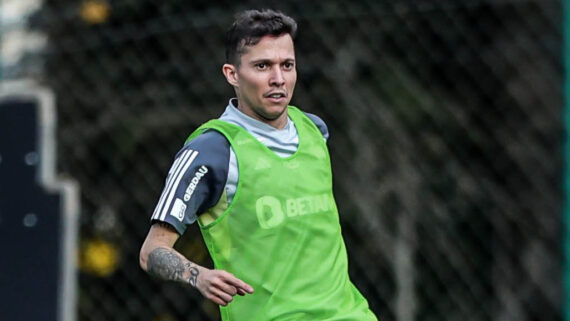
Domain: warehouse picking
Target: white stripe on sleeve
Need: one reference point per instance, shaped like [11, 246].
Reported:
[174, 187]
[176, 166]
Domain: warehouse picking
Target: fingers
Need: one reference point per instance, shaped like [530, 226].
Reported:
[217, 300]
[224, 286]
[224, 297]
[220, 286]
[239, 284]
[217, 295]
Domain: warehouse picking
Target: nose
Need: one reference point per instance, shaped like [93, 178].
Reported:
[277, 78]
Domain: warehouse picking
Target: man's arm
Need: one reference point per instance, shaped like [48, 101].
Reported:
[160, 259]
[320, 124]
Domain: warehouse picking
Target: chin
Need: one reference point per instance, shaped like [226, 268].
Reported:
[273, 113]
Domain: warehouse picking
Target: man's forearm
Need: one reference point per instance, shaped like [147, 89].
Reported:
[168, 264]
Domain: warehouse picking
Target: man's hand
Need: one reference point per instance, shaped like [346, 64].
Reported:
[220, 286]
[158, 258]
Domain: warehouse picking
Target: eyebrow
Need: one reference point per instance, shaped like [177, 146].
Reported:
[268, 61]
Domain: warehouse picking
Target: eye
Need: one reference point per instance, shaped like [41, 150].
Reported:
[288, 65]
[261, 66]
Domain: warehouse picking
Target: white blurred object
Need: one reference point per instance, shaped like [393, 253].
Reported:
[16, 38]
[15, 9]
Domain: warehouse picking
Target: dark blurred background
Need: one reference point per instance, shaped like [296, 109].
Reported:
[446, 141]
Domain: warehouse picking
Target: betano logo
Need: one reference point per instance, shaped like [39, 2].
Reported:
[194, 182]
[271, 211]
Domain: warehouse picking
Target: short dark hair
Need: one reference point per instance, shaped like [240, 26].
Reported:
[251, 25]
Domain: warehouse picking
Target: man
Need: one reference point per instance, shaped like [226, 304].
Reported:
[258, 181]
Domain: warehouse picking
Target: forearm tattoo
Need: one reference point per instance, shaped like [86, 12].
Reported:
[193, 273]
[166, 264]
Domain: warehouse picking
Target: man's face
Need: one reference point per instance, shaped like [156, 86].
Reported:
[265, 79]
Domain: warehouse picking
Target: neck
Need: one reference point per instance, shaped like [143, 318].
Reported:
[278, 123]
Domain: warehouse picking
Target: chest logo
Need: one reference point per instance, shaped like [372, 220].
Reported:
[272, 212]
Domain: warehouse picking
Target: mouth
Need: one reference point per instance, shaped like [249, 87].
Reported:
[276, 96]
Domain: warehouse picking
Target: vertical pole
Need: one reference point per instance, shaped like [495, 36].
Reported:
[1, 30]
[566, 155]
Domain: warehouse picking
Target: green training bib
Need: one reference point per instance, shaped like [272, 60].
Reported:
[281, 233]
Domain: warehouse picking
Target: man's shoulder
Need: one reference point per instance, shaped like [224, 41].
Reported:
[321, 125]
[211, 141]
[211, 147]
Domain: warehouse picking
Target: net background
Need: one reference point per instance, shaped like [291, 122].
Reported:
[446, 142]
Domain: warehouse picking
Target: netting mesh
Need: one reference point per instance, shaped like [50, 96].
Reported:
[446, 140]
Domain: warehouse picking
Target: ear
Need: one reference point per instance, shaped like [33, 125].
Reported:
[230, 72]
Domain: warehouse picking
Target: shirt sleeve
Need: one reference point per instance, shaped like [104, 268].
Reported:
[320, 124]
[195, 181]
